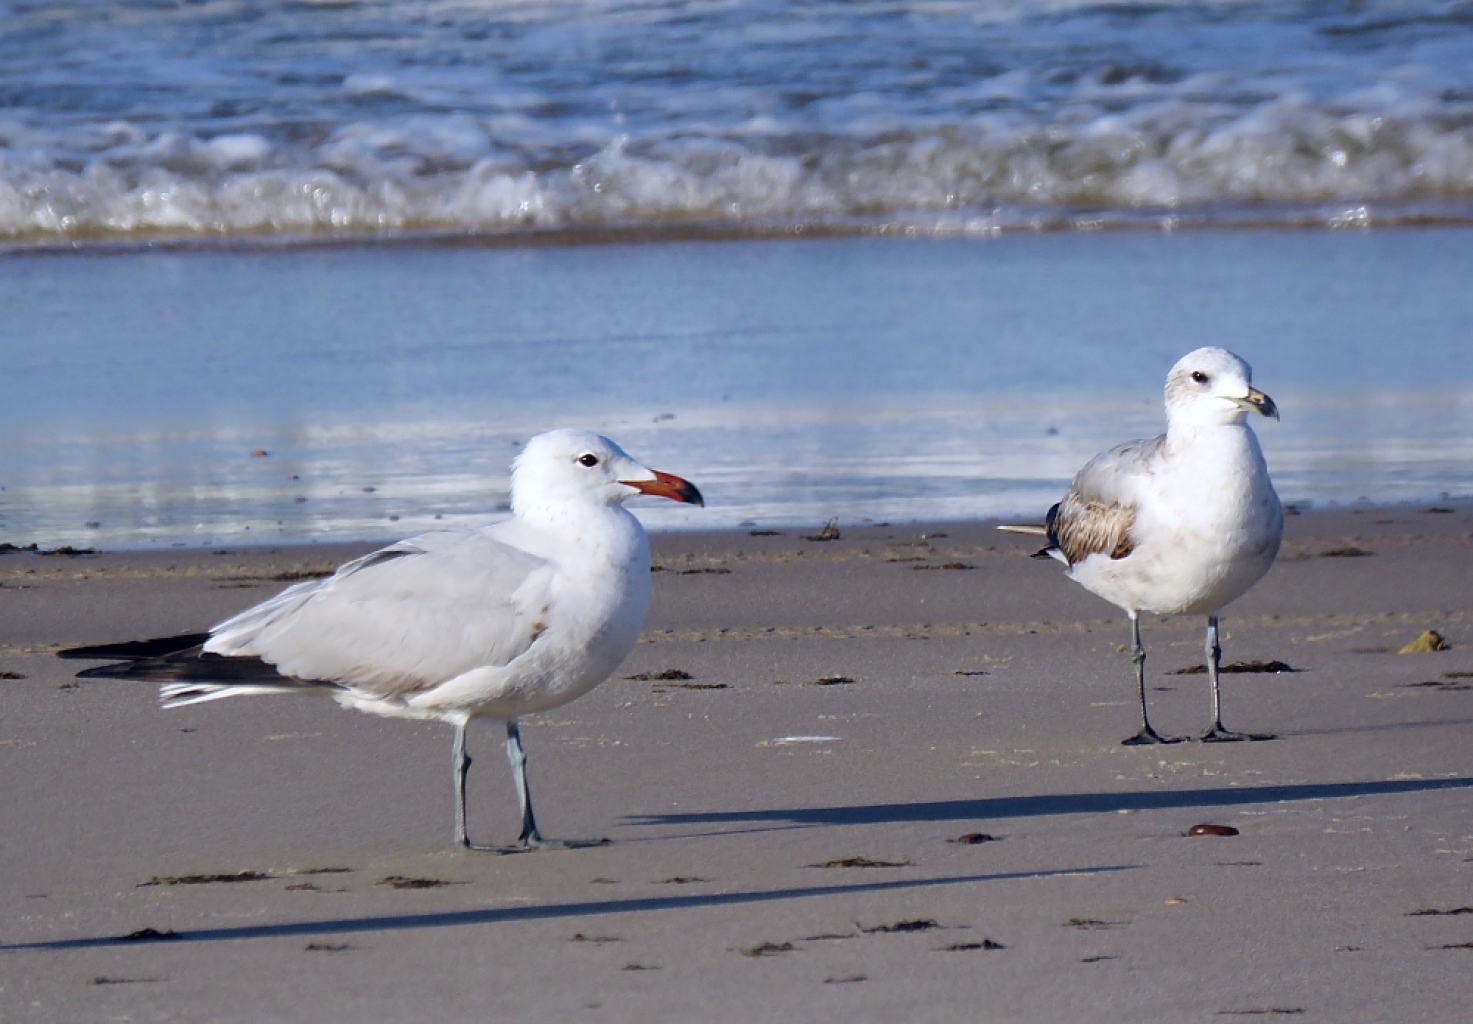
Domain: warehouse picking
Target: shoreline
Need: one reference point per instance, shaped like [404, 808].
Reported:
[1038, 223]
[1346, 511]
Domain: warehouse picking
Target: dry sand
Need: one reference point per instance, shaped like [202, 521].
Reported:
[753, 876]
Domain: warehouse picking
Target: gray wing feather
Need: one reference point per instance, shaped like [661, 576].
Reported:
[1096, 515]
[401, 619]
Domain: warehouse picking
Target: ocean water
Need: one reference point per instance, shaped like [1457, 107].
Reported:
[204, 397]
[313, 269]
[123, 121]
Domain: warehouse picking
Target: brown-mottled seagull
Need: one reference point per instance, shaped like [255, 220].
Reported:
[1181, 524]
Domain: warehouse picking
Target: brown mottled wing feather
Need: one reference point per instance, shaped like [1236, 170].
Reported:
[1079, 529]
[1097, 514]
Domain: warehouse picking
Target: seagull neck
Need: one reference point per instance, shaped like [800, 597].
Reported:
[1186, 433]
[607, 531]
[1205, 450]
[1195, 417]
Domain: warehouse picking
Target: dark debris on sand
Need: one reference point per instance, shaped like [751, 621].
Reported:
[965, 947]
[974, 839]
[404, 882]
[219, 879]
[1456, 911]
[920, 924]
[829, 532]
[1240, 666]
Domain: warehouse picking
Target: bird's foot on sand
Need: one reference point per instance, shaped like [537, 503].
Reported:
[536, 843]
[1148, 736]
[1217, 734]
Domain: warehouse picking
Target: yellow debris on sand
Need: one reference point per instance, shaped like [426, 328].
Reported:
[1428, 641]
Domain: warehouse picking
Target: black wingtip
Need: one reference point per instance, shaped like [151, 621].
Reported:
[114, 670]
[135, 650]
[1049, 521]
[1047, 551]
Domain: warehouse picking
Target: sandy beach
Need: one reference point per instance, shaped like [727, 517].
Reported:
[281, 282]
[787, 816]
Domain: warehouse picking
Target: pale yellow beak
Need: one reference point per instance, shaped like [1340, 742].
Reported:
[1257, 401]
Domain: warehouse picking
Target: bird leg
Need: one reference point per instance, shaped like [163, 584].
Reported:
[1217, 734]
[461, 761]
[530, 837]
[1147, 735]
[517, 755]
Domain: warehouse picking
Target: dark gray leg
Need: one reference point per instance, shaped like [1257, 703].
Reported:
[1138, 655]
[517, 755]
[1217, 734]
[530, 837]
[461, 762]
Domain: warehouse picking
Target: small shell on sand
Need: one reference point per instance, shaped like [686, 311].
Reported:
[1212, 830]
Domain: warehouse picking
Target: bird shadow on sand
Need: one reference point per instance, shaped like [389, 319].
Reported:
[1037, 806]
[510, 915]
[1378, 727]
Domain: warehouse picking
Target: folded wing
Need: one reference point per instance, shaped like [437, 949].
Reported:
[1097, 513]
[402, 619]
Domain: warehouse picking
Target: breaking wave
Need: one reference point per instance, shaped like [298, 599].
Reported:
[493, 119]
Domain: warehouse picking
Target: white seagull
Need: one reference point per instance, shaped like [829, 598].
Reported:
[494, 622]
[1181, 524]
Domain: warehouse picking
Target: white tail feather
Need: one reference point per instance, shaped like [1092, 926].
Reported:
[177, 695]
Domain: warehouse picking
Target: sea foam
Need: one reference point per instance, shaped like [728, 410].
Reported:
[482, 119]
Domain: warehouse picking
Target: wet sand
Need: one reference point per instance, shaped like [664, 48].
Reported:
[890, 378]
[785, 822]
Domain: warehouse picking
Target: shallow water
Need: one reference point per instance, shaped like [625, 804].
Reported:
[887, 379]
[130, 119]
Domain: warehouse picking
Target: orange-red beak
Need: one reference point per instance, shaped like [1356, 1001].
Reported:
[666, 486]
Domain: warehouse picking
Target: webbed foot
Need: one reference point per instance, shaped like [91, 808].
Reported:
[1217, 734]
[1148, 736]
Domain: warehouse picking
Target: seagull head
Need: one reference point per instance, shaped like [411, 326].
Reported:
[1213, 386]
[577, 467]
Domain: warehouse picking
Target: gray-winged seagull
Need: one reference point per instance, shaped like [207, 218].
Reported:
[1181, 524]
[492, 622]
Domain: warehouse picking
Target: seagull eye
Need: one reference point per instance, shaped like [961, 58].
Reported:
[590, 460]
[1199, 376]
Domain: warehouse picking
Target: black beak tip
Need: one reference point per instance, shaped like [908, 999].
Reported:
[691, 495]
